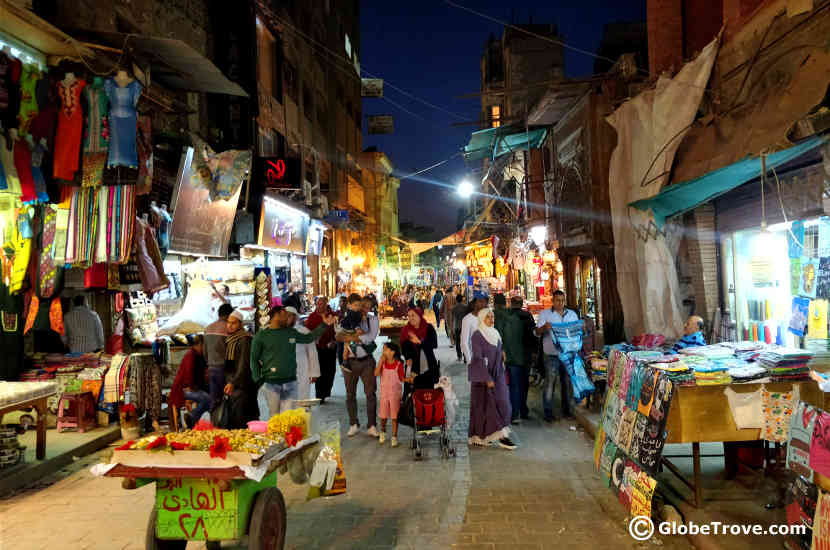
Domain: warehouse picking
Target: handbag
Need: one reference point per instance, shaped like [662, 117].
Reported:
[220, 416]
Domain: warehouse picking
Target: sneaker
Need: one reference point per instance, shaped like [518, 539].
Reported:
[382, 438]
[516, 421]
[506, 443]
[394, 441]
[353, 430]
[372, 432]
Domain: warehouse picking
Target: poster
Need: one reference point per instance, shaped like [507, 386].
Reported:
[800, 436]
[807, 280]
[817, 320]
[647, 392]
[798, 317]
[201, 226]
[642, 488]
[795, 239]
[823, 278]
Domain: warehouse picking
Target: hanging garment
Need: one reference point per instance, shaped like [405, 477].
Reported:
[123, 123]
[11, 335]
[29, 77]
[10, 171]
[96, 133]
[119, 222]
[47, 269]
[23, 165]
[10, 69]
[145, 156]
[18, 249]
[148, 258]
[102, 240]
[83, 219]
[38, 153]
[61, 231]
[70, 127]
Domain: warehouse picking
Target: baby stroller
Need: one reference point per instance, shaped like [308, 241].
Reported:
[428, 414]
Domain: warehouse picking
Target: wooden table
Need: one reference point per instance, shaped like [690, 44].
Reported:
[39, 404]
[701, 414]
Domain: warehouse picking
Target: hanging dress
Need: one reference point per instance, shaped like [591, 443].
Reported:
[70, 127]
[23, 165]
[38, 153]
[96, 133]
[28, 101]
[123, 123]
[10, 172]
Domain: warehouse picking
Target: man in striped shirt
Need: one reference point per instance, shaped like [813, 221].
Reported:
[83, 331]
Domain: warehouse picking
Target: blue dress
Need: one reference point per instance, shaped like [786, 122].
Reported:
[123, 123]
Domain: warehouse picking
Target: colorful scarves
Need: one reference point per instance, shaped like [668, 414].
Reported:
[420, 332]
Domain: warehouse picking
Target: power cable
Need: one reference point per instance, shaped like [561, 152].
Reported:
[428, 168]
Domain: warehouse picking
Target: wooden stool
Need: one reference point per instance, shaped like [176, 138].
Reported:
[76, 410]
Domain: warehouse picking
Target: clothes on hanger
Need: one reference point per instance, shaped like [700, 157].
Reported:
[70, 126]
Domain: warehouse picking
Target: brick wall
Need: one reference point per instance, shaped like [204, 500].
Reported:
[703, 261]
[665, 35]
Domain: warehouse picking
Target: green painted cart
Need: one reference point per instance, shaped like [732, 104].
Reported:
[208, 504]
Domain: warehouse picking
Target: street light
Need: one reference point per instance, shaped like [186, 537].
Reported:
[465, 189]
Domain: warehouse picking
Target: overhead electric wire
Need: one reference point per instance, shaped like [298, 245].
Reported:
[428, 168]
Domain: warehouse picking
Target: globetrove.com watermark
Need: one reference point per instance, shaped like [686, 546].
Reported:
[643, 528]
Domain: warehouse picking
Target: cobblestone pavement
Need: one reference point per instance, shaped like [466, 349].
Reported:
[544, 494]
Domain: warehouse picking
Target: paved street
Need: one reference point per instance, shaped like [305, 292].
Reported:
[544, 494]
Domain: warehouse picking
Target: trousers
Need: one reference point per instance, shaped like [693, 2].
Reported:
[275, 398]
[362, 369]
[556, 372]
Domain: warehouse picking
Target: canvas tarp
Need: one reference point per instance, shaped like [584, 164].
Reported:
[649, 129]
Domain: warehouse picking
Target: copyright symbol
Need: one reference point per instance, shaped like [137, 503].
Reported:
[641, 528]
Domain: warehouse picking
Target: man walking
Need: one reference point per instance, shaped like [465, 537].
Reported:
[446, 313]
[274, 360]
[437, 300]
[214, 353]
[526, 336]
[326, 352]
[459, 311]
[555, 371]
[361, 367]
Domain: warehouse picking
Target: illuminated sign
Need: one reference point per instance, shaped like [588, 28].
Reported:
[282, 227]
[279, 173]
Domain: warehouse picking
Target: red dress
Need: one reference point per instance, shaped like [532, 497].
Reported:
[70, 128]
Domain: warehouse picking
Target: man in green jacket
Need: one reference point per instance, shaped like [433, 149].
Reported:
[511, 329]
[274, 360]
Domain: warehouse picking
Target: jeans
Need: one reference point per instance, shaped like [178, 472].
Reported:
[518, 391]
[275, 398]
[216, 385]
[458, 344]
[556, 371]
[364, 370]
[203, 401]
[437, 313]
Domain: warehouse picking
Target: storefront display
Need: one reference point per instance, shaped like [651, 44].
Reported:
[479, 259]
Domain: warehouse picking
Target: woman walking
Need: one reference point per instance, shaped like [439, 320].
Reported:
[418, 343]
[489, 397]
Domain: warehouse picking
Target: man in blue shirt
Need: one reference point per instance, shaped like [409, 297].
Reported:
[547, 317]
[692, 335]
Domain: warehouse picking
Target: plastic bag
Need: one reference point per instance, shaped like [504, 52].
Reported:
[332, 484]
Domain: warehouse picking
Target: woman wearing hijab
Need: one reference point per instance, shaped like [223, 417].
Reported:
[418, 343]
[489, 397]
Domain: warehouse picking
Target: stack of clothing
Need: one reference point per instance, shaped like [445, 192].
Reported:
[646, 356]
[712, 374]
[746, 350]
[748, 372]
[676, 369]
[820, 347]
[786, 364]
[599, 369]
[711, 352]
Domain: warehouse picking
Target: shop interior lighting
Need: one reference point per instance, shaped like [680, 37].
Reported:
[538, 234]
[284, 206]
[27, 56]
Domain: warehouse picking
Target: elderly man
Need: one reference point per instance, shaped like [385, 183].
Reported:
[692, 334]
[240, 387]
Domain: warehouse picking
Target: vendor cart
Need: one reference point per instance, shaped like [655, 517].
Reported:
[202, 502]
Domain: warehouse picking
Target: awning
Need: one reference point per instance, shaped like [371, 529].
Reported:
[682, 197]
[173, 62]
[28, 28]
[495, 142]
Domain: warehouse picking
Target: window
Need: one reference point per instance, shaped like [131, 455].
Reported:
[495, 116]
[290, 80]
[308, 103]
[276, 84]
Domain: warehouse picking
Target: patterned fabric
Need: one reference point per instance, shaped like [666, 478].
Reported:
[28, 102]
[567, 340]
[70, 126]
[778, 408]
[145, 383]
[83, 224]
[123, 122]
[96, 134]
[56, 316]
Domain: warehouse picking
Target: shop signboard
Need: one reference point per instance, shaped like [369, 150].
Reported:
[201, 226]
[337, 217]
[371, 87]
[393, 255]
[278, 172]
[282, 227]
[381, 124]
[406, 258]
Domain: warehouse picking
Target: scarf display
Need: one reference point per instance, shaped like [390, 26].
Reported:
[420, 331]
[232, 344]
[83, 225]
[490, 333]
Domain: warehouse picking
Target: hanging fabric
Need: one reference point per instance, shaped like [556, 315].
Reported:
[96, 136]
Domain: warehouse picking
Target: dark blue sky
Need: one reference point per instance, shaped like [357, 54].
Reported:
[432, 50]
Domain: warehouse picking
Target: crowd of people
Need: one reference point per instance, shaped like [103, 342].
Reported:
[238, 377]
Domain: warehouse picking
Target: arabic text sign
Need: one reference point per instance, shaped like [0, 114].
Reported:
[195, 509]
[371, 87]
[282, 227]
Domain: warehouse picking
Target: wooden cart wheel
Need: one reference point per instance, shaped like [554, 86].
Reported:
[267, 528]
[153, 543]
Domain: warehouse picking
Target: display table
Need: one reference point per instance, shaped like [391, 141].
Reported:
[24, 395]
[701, 414]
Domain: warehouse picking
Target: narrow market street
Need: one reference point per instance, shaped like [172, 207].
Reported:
[545, 493]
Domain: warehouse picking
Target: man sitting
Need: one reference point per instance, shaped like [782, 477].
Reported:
[692, 335]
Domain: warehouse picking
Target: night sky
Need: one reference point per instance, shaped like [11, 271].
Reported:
[433, 50]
